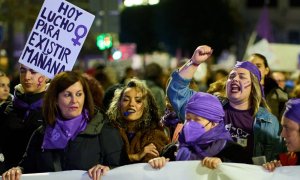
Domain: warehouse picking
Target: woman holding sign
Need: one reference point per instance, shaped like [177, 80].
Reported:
[75, 137]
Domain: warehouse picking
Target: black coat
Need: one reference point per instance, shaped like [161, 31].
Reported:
[233, 152]
[99, 143]
[275, 97]
[16, 128]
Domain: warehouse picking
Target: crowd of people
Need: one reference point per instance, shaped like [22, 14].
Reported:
[76, 122]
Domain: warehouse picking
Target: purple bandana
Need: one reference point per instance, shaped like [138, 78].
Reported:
[292, 110]
[206, 106]
[209, 144]
[18, 103]
[194, 146]
[192, 131]
[64, 130]
[253, 69]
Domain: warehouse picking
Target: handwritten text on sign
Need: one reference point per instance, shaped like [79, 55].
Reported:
[56, 38]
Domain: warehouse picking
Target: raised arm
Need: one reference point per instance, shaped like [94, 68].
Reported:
[178, 90]
[201, 54]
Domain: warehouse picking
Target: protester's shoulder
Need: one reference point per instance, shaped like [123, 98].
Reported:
[264, 114]
[282, 95]
[7, 107]
[96, 123]
[273, 90]
[3, 106]
[39, 133]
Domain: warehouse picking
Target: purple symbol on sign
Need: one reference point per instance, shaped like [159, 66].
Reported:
[76, 40]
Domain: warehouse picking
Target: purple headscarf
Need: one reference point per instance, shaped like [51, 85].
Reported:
[253, 69]
[206, 106]
[292, 110]
[209, 144]
[212, 141]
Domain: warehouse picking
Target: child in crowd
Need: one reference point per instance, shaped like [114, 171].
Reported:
[204, 136]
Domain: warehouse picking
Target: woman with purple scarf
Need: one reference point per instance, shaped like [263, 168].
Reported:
[75, 136]
[204, 136]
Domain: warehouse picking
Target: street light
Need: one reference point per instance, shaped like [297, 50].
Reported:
[104, 41]
[129, 3]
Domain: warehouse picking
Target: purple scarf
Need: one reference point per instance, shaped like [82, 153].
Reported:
[20, 104]
[170, 118]
[209, 144]
[64, 130]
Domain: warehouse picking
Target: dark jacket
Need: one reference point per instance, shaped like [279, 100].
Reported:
[17, 126]
[3, 106]
[99, 143]
[233, 152]
[159, 95]
[275, 97]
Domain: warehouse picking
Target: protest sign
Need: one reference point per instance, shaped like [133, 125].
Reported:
[56, 38]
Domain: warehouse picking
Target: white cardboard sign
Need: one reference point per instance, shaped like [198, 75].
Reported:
[56, 38]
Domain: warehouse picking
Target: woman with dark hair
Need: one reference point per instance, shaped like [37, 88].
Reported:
[274, 95]
[134, 111]
[75, 136]
[291, 133]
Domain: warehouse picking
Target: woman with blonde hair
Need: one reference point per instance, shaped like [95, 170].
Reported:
[246, 113]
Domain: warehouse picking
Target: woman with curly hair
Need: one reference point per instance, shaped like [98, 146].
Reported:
[133, 110]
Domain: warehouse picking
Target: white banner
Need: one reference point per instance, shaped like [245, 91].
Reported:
[178, 171]
[281, 57]
[56, 38]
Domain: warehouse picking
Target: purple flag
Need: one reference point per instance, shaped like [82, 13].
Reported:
[263, 27]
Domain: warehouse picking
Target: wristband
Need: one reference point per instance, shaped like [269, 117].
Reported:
[191, 62]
